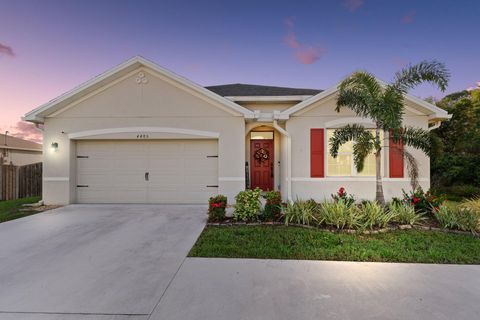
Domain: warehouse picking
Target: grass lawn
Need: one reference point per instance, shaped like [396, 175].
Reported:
[9, 209]
[281, 242]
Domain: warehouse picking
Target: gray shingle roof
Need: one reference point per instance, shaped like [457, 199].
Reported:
[241, 89]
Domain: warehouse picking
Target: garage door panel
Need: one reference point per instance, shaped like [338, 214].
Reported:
[179, 171]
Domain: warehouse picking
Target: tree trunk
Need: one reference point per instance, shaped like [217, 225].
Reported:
[378, 170]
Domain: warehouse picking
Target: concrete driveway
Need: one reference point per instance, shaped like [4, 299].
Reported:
[93, 261]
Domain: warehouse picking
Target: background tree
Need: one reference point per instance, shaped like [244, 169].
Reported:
[384, 104]
[455, 166]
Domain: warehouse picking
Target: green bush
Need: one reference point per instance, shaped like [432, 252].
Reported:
[216, 208]
[458, 192]
[373, 215]
[247, 205]
[460, 218]
[273, 206]
[301, 212]
[340, 214]
[405, 213]
[423, 202]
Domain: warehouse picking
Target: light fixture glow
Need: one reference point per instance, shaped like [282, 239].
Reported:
[54, 146]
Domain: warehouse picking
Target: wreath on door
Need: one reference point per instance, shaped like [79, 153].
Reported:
[261, 155]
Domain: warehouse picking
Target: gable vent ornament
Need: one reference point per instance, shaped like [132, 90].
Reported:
[141, 78]
[261, 155]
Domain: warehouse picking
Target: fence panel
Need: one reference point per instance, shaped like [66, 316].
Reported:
[20, 182]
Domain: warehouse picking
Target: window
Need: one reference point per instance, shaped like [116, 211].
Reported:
[261, 135]
[343, 164]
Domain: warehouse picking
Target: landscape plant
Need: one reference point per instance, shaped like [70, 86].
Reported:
[464, 219]
[423, 202]
[302, 212]
[216, 208]
[405, 213]
[349, 199]
[340, 214]
[273, 206]
[247, 205]
[373, 215]
[384, 104]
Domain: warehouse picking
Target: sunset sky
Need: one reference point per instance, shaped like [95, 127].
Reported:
[49, 47]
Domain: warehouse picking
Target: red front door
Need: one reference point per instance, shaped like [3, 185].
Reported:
[261, 164]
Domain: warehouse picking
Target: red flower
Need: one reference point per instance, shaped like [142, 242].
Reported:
[341, 192]
[415, 200]
[216, 205]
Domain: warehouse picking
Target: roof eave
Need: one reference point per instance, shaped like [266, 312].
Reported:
[38, 114]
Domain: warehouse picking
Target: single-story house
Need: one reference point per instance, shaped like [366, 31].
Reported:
[139, 133]
[19, 152]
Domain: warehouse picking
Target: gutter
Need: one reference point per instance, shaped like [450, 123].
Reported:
[289, 158]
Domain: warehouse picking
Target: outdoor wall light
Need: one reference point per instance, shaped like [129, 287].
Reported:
[54, 146]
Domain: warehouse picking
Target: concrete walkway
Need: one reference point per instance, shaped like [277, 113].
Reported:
[278, 289]
[93, 262]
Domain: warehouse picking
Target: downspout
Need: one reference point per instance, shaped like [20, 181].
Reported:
[289, 158]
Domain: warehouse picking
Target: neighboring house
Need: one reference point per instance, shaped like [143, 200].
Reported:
[141, 134]
[19, 152]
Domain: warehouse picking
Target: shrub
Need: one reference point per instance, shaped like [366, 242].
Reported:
[273, 206]
[422, 201]
[405, 213]
[216, 208]
[460, 218]
[343, 195]
[473, 204]
[373, 215]
[340, 214]
[301, 212]
[446, 217]
[247, 205]
[458, 192]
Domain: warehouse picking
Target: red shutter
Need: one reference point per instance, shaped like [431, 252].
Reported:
[395, 158]
[317, 153]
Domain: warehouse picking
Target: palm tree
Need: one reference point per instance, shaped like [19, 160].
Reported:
[384, 104]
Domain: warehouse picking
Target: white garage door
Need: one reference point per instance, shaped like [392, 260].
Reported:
[157, 171]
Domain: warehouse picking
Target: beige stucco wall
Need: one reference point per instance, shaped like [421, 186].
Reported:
[21, 157]
[157, 104]
[323, 115]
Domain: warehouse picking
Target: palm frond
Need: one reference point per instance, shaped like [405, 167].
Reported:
[360, 92]
[364, 145]
[343, 135]
[393, 108]
[412, 168]
[433, 72]
[417, 138]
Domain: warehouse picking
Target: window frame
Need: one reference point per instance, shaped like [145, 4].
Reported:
[354, 173]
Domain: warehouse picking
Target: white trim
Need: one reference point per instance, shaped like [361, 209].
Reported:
[340, 122]
[56, 179]
[231, 178]
[20, 149]
[135, 62]
[89, 133]
[268, 98]
[359, 179]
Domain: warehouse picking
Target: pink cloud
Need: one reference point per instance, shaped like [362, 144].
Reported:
[306, 54]
[409, 17]
[4, 49]
[353, 5]
[309, 55]
[27, 131]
